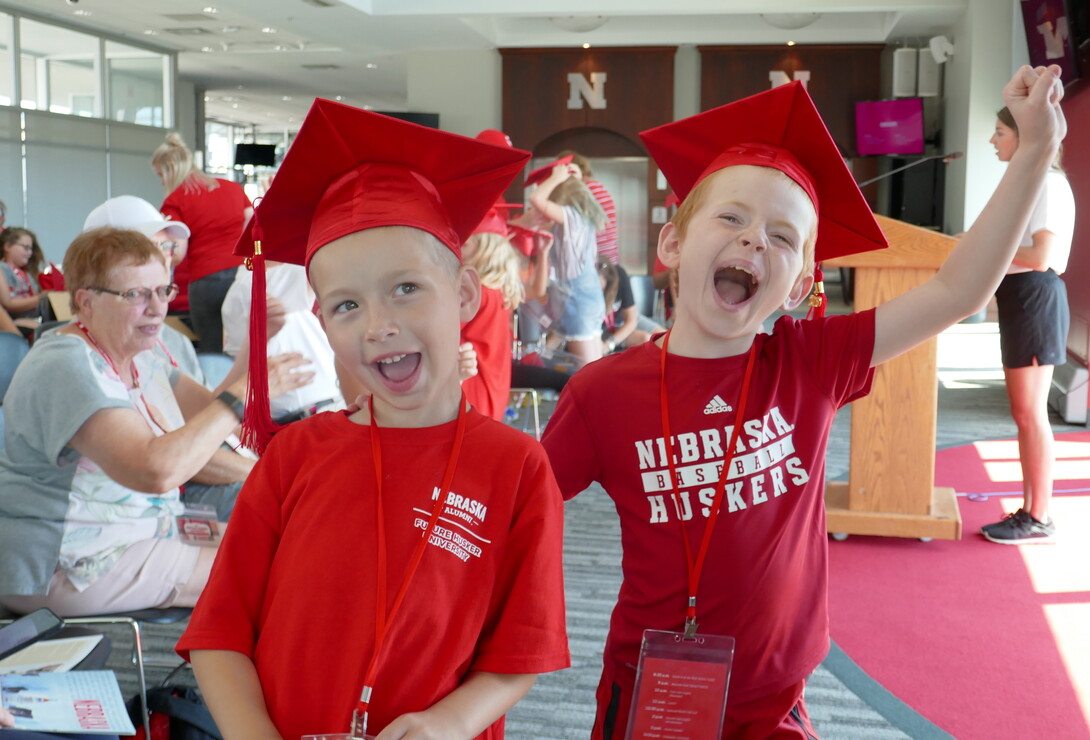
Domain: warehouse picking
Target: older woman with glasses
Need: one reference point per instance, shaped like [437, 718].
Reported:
[101, 432]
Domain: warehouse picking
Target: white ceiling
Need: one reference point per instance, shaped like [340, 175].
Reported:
[262, 62]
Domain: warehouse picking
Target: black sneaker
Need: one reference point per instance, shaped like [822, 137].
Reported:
[1021, 530]
[1021, 516]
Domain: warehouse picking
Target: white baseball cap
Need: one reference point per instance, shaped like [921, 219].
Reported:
[130, 212]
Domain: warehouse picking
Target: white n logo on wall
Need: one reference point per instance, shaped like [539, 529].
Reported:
[594, 91]
[778, 77]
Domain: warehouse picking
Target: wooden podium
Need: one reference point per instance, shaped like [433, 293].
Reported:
[891, 480]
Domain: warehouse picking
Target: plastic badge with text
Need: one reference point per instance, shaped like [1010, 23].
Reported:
[681, 686]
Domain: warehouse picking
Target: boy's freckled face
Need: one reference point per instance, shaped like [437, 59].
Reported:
[391, 311]
[741, 258]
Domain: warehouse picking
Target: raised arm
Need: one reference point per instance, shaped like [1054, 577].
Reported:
[539, 199]
[980, 260]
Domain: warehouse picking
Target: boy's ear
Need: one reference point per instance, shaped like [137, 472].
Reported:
[669, 248]
[799, 291]
[469, 293]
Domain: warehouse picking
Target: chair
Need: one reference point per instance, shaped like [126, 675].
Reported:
[133, 620]
[215, 366]
[13, 348]
[643, 291]
[43, 327]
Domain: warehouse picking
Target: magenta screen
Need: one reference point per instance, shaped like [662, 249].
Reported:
[889, 126]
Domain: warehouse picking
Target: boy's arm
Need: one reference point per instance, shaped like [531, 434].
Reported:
[980, 260]
[465, 712]
[229, 684]
[539, 199]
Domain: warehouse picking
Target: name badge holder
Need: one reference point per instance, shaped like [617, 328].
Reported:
[681, 686]
[198, 526]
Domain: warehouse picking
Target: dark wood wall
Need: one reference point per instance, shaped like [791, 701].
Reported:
[639, 93]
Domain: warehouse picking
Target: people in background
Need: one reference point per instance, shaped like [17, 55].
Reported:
[1033, 321]
[562, 201]
[216, 211]
[108, 431]
[495, 260]
[300, 334]
[624, 326]
[607, 236]
[20, 294]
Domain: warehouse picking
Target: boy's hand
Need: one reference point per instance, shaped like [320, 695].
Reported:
[1033, 96]
[418, 726]
[467, 361]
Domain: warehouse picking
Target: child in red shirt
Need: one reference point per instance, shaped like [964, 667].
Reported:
[714, 427]
[396, 569]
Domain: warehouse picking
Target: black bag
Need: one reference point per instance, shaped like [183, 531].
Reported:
[177, 713]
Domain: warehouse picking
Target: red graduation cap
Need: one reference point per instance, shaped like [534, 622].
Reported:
[494, 136]
[522, 238]
[778, 128]
[349, 170]
[541, 174]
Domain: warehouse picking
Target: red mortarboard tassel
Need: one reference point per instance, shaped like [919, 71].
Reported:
[817, 298]
[258, 426]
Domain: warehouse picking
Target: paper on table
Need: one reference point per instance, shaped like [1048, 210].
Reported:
[77, 701]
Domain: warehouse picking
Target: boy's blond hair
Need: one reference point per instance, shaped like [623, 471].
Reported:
[496, 261]
[697, 196]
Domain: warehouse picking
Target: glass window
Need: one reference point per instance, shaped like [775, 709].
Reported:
[134, 79]
[219, 143]
[59, 69]
[7, 66]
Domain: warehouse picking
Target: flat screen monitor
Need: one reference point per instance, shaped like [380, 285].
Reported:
[259, 155]
[889, 126]
[431, 120]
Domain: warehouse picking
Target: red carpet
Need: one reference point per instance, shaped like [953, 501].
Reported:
[984, 640]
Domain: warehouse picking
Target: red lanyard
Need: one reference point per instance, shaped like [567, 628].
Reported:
[154, 415]
[695, 567]
[382, 619]
[135, 375]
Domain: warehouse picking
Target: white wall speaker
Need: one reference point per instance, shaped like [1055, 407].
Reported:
[904, 72]
[928, 75]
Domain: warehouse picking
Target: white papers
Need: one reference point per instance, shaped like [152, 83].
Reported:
[51, 656]
[77, 701]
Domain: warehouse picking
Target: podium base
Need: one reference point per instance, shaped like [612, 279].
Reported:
[942, 523]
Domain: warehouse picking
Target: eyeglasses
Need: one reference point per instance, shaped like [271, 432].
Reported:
[141, 296]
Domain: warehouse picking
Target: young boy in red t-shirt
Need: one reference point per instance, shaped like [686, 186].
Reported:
[396, 569]
[715, 427]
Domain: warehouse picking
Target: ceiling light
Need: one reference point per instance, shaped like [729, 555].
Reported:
[586, 46]
[268, 29]
[371, 65]
[789, 21]
[210, 10]
[790, 43]
[151, 32]
[579, 23]
[338, 97]
[207, 49]
[81, 11]
[285, 98]
[230, 29]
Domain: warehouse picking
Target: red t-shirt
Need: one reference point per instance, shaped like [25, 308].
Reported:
[764, 580]
[490, 332]
[294, 586]
[215, 219]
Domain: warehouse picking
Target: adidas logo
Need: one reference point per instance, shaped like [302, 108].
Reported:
[717, 406]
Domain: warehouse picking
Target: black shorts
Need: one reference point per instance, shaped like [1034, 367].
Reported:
[1033, 319]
